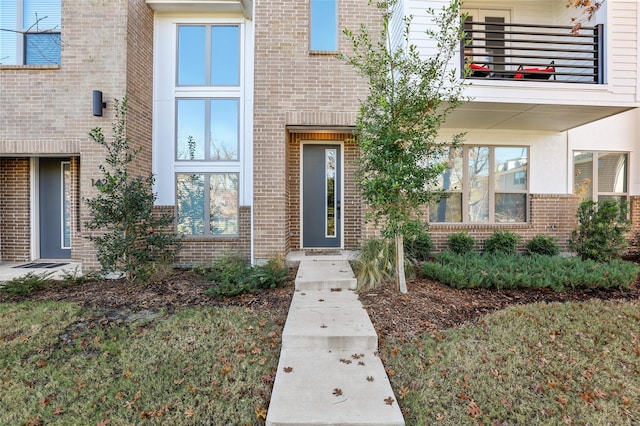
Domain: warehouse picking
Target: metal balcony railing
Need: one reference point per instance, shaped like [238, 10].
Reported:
[506, 51]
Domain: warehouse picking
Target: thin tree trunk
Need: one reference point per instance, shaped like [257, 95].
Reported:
[400, 277]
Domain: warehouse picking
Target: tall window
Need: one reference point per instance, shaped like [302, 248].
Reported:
[600, 175]
[324, 25]
[30, 32]
[207, 129]
[485, 184]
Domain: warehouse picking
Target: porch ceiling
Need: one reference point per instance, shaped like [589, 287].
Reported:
[521, 116]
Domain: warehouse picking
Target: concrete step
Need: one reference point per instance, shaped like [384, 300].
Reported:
[328, 319]
[325, 274]
[329, 387]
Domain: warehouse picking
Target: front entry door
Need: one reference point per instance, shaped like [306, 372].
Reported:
[55, 208]
[321, 196]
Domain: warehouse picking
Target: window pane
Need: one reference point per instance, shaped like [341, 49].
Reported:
[479, 184]
[224, 129]
[42, 48]
[224, 204]
[67, 196]
[225, 57]
[511, 168]
[41, 15]
[451, 178]
[448, 209]
[191, 55]
[190, 129]
[612, 172]
[324, 25]
[190, 200]
[330, 185]
[511, 208]
[583, 174]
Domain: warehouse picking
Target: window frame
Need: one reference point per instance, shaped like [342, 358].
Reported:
[336, 39]
[209, 93]
[208, 57]
[22, 32]
[465, 191]
[595, 192]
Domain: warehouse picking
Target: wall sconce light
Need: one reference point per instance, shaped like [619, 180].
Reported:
[98, 105]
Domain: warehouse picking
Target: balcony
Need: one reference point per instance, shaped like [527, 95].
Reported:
[529, 52]
[542, 77]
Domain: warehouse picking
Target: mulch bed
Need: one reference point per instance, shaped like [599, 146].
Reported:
[428, 306]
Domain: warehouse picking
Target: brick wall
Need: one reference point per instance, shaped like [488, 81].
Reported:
[15, 204]
[294, 87]
[553, 215]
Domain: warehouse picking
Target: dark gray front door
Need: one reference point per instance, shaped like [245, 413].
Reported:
[321, 196]
[55, 214]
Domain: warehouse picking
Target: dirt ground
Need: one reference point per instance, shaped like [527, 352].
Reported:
[429, 306]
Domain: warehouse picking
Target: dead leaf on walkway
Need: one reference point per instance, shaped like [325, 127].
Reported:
[337, 392]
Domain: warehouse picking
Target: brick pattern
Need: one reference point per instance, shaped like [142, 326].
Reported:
[15, 205]
[553, 215]
[295, 88]
[204, 250]
[351, 201]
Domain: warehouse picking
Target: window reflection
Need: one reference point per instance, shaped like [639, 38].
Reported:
[330, 184]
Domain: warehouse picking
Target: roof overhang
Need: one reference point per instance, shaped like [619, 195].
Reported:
[203, 6]
[527, 116]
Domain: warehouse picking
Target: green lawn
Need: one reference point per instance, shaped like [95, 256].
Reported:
[572, 363]
[551, 364]
[58, 365]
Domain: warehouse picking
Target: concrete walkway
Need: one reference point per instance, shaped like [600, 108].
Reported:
[329, 373]
[54, 269]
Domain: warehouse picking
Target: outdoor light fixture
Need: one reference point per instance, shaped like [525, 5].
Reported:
[98, 105]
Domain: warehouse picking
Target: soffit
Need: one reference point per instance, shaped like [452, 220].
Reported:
[521, 116]
[203, 6]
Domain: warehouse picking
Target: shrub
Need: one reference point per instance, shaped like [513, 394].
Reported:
[419, 247]
[25, 285]
[601, 230]
[502, 242]
[461, 243]
[271, 275]
[544, 245]
[232, 275]
[535, 271]
[131, 237]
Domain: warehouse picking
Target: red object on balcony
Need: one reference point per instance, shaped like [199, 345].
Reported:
[536, 73]
[479, 70]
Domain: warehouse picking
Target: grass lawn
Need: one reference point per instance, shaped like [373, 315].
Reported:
[61, 366]
[551, 364]
[545, 363]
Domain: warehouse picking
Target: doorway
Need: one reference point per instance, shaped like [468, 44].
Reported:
[321, 196]
[54, 200]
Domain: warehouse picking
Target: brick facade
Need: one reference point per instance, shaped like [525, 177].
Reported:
[553, 215]
[294, 87]
[15, 205]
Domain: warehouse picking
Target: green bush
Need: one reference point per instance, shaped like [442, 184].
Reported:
[419, 248]
[461, 243]
[601, 230]
[233, 275]
[25, 285]
[535, 271]
[502, 242]
[543, 244]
